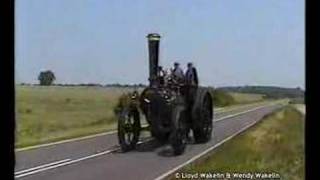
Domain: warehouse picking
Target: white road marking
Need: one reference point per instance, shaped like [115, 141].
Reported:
[41, 166]
[96, 135]
[237, 114]
[65, 141]
[62, 164]
[236, 107]
[68, 140]
[202, 153]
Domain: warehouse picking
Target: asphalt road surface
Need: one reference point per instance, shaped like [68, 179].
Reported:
[99, 157]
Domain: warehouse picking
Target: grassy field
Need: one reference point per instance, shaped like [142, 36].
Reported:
[246, 98]
[51, 113]
[46, 114]
[274, 145]
[251, 105]
[223, 98]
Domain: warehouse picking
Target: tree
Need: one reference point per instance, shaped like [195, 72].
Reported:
[46, 78]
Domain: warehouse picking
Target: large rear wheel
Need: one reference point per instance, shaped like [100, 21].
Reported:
[202, 116]
[128, 128]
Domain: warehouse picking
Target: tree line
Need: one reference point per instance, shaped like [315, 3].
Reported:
[270, 91]
[47, 78]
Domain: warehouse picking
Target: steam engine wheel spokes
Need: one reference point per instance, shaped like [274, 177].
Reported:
[128, 128]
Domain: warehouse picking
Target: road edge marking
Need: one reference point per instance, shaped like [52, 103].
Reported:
[40, 166]
[168, 173]
[66, 141]
[63, 164]
[243, 112]
[69, 140]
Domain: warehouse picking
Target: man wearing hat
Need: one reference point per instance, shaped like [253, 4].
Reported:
[191, 80]
[178, 72]
[191, 75]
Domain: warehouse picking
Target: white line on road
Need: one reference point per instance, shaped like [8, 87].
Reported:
[236, 107]
[62, 164]
[41, 166]
[65, 141]
[237, 114]
[69, 140]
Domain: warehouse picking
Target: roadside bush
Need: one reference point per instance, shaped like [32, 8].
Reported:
[297, 101]
[28, 111]
[221, 98]
[68, 100]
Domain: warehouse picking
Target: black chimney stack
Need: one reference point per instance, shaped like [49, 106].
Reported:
[153, 42]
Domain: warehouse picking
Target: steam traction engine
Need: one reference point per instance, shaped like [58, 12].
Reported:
[170, 107]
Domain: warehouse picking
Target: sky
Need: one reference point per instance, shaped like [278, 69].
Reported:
[231, 43]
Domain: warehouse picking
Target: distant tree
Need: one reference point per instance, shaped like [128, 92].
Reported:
[46, 78]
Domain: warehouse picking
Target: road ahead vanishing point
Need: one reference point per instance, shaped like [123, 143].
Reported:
[99, 157]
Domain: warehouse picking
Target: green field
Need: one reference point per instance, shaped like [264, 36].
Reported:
[246, 97]
[274, 145]
[46, 114]
[51, 113]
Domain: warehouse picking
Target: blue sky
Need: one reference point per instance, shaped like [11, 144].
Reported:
[235, 42]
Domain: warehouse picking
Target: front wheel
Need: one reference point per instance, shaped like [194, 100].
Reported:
[128, 128]
[178, 136]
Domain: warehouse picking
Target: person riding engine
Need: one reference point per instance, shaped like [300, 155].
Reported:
[177, 73]
[166, 106]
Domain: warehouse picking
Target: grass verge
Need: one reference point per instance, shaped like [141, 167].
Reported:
[47, 114]
[276, 145]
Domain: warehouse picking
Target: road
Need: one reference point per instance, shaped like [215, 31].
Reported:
[99, 157]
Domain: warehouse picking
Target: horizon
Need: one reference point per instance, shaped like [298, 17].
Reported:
[139, 84]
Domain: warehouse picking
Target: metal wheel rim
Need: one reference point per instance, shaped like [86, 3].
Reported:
[129, 124]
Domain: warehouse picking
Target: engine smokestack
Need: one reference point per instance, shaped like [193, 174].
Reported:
[153, 43]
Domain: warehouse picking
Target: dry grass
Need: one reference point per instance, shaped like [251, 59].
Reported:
[274, 145]
[246, 98]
